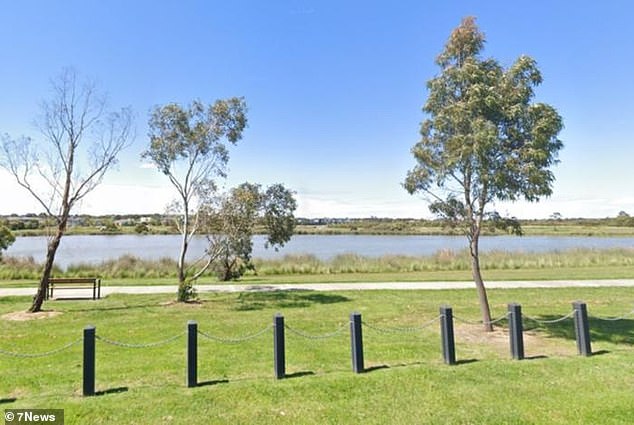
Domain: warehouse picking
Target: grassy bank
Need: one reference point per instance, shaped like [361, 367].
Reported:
[444, 265]
[407, 383]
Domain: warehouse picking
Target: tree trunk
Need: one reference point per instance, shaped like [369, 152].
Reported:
[40, 296]
[184, 286]
[477, 278]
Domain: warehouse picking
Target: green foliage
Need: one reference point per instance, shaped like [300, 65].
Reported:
[188, 145]
[231, 225]
[484, 139]
[142, 228]
[195, 136]
[6, 239]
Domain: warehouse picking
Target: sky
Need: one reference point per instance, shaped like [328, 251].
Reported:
[334, 91]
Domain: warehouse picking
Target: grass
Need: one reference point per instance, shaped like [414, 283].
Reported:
[444, 265]
[407, 382]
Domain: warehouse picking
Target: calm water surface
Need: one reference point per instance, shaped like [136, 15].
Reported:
[96, 248]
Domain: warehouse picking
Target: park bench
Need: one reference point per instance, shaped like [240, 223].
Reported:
[75, 283]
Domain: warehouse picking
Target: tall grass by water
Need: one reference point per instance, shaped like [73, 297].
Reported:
[444, 260]
[130, 267]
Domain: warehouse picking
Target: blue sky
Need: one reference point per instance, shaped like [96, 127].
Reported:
[334, 88]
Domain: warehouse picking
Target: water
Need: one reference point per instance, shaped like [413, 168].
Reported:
[97, 248]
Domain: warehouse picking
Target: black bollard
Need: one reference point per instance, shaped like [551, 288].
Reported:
[582, 328]
[447, 336]
[516, 331]
[192, 354]
[89, 360]
[356, 342]
[279, 346]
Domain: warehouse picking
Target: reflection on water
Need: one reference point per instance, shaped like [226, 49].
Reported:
[96, 248]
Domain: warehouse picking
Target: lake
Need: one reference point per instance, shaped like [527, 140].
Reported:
[96, 248]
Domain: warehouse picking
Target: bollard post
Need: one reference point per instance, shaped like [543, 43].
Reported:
[447, 336]
[192, 354]
[89, 361]
[356, 342]
[279, 346]
[582, 328]
[516, 331]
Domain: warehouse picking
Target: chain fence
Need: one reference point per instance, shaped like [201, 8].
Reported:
[482, 322]
[146, 345]
[399, 330]
[238, 340]
[614, 319]
[45, 354]
[549, 322]
[303, 334]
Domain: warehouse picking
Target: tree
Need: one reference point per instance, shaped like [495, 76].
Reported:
[80, 143]
[624, 219]
[231, 225]
[6, 238]
[189, 146]
[483, 141]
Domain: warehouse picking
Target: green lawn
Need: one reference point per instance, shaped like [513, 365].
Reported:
[407, 382]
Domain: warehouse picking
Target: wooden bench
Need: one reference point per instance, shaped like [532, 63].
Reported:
[75, 283]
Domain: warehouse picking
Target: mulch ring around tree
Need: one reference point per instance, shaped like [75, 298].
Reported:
[21, 316]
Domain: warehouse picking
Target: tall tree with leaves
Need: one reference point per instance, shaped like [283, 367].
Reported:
[484, 141]
[80, 143]
[189, 146]
[231, 224]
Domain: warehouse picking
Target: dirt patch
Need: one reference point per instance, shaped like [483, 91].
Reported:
[21, 316]
[536, 344]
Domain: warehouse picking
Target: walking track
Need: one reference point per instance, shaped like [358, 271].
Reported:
[107, 290]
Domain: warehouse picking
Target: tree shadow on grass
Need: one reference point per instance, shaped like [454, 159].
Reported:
[114, 308]
[248, 301]
[615, 332]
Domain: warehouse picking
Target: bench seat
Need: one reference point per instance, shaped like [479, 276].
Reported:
[75, 283]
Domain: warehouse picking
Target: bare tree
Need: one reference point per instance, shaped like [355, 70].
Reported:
[81, 141]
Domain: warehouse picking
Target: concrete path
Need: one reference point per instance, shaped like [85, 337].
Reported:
[107, 290]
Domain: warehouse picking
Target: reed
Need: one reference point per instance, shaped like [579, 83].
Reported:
[131, 267]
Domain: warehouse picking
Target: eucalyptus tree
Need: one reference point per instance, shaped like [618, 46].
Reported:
[6, 238]
[233, 220]
[80, 142]
[484, 140]
[190, 146]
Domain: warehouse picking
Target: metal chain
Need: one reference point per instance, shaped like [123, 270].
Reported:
[148, 345]
[614, 319]
[547, 322]
[402, 330]
[324, 336]
[235, 340]
[48, 353]
[480, 322]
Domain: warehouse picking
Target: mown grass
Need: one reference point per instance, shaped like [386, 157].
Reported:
[407, 382]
